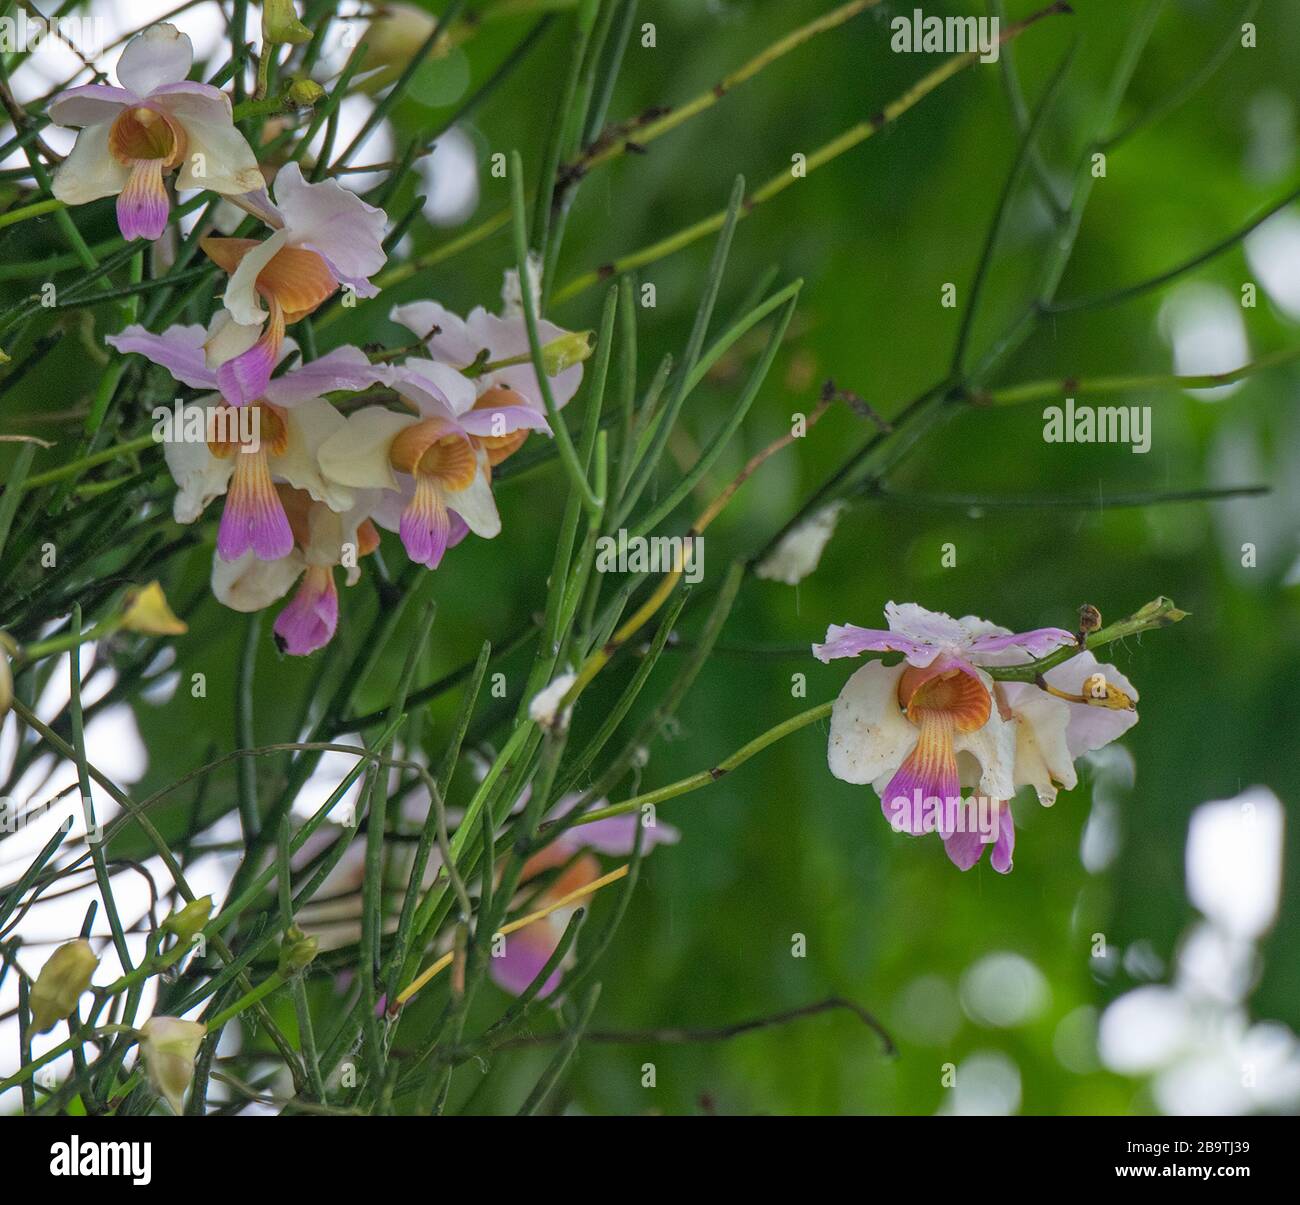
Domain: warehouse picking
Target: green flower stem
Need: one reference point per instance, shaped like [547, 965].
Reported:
[271, 983]
[29, 654]
[1159, 613]
[75, 467]
[27, 1070]
[1038, 391]
[783, 179]
[639, 134]
[34, 210]
[707, 777]
[591, 502]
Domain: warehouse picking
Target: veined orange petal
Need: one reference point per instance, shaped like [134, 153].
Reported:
[300, 280]
[946, 691]
[227, 253]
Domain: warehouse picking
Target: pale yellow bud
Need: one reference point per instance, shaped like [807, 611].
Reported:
[392, 39]
[296, 951]
[1097, 692]
[280, 23]
[566, 351]
[170, 1046]
[190, 919]
[65, 975]
[6, 684]
[145, 610]
[303, 93]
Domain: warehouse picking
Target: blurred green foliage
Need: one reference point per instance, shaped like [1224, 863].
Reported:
[780, 847]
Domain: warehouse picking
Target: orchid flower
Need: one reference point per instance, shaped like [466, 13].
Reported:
[510, 398]
[903, 728]
[279, 439]
[157, 122]
[433, 475]
[324, 237]
[529, 949]
[322, 539]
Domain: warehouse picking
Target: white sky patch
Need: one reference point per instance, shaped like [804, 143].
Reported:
[1273, 252]
[450, 174]
[1004, 990]
[331, 770]
[1203, 325]
[377, 148]
[1196, 1038]
[1234, 861]
[988, 1085]
[1144, 1029]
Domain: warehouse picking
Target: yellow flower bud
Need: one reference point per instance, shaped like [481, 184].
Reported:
[296, 951]
[190, 919]
[391, 39]
[1097, 692]
[566, 351]
[65, 975]
[6, 684]
[303, 93]
[170, 1047]
[145, 610]
[280, 23]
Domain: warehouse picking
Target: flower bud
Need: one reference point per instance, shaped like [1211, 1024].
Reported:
[566, 351]
[6, 683]
[1097, 692]
[190, 919]
[145, 610]
[303, 93]
[58, 987]
[1159, 612]
[280, 23]
[1089, 619]
[170, 1047]
[391, 39]
[296, 951]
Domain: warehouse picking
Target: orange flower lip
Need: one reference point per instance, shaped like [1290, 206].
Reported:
[144, 133]
[945, 689]
[434, 448]
[296, 279]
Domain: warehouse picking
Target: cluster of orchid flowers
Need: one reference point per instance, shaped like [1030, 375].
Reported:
[937, 722]
[307, 482]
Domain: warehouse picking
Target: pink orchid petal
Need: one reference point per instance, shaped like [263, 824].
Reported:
[335, 223]
[526, 953]
[245, 378]
[848, 640]
[309, 621]
[425, 526]
[178, 349]
[1005, 845]
[1036, 643]
[142, 205]
[964, 848]
[89, 105]
[343, 368]
[253, 516]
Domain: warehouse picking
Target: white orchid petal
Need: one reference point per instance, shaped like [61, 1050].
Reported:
[249, 584]
[869, 737]
[357, 455]
[241, 297]
[91, 170]
[162, 54]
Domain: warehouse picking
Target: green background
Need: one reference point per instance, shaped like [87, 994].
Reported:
[780, 847]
